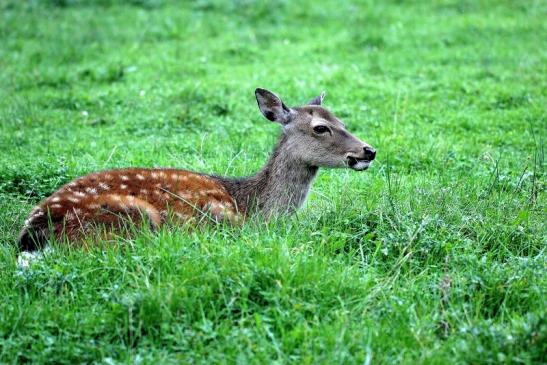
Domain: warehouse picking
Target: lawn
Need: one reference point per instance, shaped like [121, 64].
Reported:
[434, 255]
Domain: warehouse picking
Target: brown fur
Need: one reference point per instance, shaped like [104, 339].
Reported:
[111, 197]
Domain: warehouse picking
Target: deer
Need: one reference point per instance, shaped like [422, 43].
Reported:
[312, 137]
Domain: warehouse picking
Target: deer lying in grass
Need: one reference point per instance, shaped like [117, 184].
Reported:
[312, 137]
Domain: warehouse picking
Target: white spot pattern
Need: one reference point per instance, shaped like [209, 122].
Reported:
[91, 190]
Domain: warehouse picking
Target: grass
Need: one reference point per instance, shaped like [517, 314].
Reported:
[435, 255]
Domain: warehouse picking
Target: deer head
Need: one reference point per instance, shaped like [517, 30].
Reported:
[315, 136]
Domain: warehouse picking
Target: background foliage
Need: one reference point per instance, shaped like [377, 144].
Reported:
[434, 255]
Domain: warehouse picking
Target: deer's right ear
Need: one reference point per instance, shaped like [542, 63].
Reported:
[272, 107]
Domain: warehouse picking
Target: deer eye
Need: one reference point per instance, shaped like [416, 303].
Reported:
[320, 129]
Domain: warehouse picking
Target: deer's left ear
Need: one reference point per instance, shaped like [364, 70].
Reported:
[272, 107]
[318, 100]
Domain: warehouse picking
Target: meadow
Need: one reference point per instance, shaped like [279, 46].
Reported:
[434, 255]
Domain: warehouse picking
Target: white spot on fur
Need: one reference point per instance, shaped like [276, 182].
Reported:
[55, 199]
[79, 193]
[124, 177]
[213, 192]
[104, 186]
[123, 186]
[144, 191]
[91, 190]
[38, 213]
[117, 198]
[73, 199]
[140, 177]
[56, 206]
[154, 175]
[93, 206]
[162, 174]
[185, 195]
[108, 177]
[72, 184]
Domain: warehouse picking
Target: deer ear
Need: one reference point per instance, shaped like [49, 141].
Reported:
[318, 100]
[272, 107]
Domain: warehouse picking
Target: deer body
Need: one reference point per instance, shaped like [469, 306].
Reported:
[312, 137]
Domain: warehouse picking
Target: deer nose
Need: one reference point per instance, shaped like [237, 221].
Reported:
[370, 153]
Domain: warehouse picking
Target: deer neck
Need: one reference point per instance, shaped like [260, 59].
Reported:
[281, 186]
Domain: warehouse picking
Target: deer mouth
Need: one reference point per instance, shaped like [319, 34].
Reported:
[358, 164]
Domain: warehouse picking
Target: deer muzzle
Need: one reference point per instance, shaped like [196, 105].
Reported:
[361, 161]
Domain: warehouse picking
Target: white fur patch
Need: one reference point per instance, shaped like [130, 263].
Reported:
[140, 177]
[104, 186]
[185, 195]
[123, 186]
[91, 190]
[124, 177]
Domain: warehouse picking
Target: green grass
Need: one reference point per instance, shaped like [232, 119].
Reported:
[435, 255]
